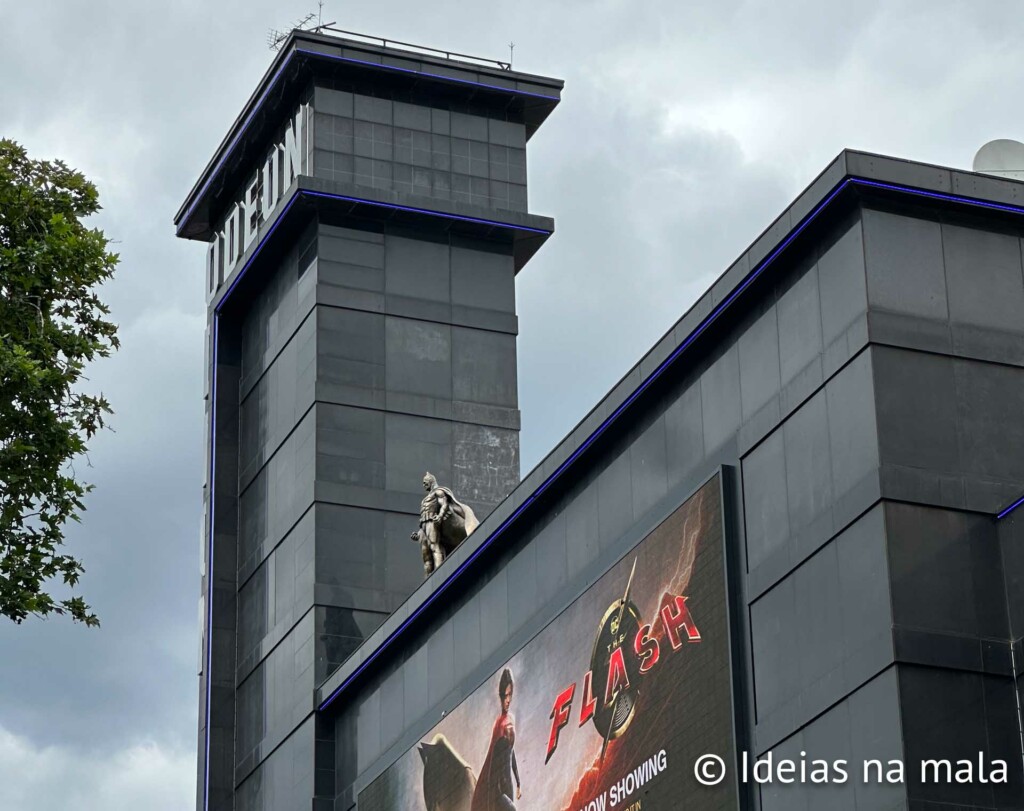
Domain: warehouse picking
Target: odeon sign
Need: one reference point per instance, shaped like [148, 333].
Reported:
[263, 191]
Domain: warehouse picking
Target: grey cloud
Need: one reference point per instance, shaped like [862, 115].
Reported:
[144, 775]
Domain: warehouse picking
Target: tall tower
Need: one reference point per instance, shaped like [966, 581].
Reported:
[365, 216]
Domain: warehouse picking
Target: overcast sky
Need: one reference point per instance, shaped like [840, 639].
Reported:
[685, 128]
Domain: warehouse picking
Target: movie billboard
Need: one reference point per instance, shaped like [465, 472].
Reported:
[608, 707]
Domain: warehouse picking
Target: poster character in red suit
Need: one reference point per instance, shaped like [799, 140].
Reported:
[494, 785]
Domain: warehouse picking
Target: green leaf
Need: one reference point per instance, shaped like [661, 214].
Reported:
[52, 322]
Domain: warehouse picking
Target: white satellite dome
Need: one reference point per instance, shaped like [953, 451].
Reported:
[1003, 157]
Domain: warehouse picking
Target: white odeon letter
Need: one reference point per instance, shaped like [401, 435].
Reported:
[293, 148]
[251, 213]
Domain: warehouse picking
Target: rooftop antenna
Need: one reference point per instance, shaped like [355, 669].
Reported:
[276, 38]
[511, 50]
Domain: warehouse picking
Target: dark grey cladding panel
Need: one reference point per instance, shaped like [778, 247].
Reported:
[440, 662]
[485, 464]
[277, 496]
[904, 265]
[350, 446]
[947, 572]
[614, 500]
[271, 409]
[842, 283]
[765, 500]
[984, 281]
[272, 598]
[759, 362]
[989, 403]
[284, 780]
[523, 574]
[483, 279]
[808, 464]
[418, 357]
[823, 630]
[649, 467]
[684, 435]
[350, 356]
[799, 319]
[417, 269]
[863, 726]
[949, 429]
[946, 714]
[720, 393]
[414, 446]
[273, 700]
[578, 536]
[852, 425]
[917, 418]
[484, 367]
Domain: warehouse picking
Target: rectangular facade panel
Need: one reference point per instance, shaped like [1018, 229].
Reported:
[832, 751]
[410, 148]
[610, 704]
[823, 630]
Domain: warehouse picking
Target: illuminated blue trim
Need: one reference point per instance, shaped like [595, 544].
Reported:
[937, 195]
[1011, 508]
[209, 558]
[687, 342]
[429, 211]
[212, 512]
[439, 76]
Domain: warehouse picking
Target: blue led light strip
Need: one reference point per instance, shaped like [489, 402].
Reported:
[687, 342]
[429, 211]
[209, 557]
[1011, 508]
[277, 75]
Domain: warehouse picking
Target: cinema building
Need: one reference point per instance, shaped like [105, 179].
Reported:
[788, 530]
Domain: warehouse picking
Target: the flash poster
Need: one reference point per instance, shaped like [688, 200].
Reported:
[606, 708]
